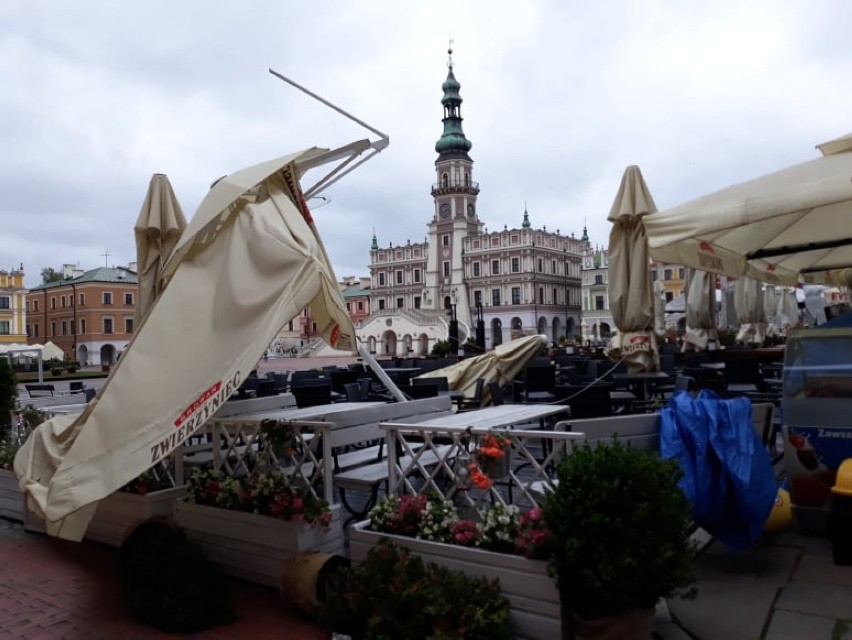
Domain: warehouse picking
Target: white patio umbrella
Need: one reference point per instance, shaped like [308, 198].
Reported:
[700, 310]
[157, 231]
[249, 261]
[748, 303]
[501, 365]
[770, 308]
[630, 290]
[783, 227]
[50, 350]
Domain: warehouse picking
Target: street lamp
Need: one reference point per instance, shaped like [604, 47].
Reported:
[566, 294]
[454, 329]
[480, 326]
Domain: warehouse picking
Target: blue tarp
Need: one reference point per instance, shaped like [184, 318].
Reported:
[728, 474]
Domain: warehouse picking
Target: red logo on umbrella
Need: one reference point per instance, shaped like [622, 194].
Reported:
[705, 246]
[335, 335]
[770, 267]
[636, 339]
[199, 402]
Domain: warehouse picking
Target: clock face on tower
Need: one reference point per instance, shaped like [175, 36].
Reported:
[445, 210]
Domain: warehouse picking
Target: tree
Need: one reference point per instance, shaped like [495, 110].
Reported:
[49, 274]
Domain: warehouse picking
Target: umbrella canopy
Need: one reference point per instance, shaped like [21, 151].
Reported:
[157, 230]
[784, 227]
[630, 289]
[700, 310]
[748, 303]
[249, 262]
[50, 350]
[501, 365]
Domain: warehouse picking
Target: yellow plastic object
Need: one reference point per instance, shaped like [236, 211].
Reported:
[781, 515]
[843, 483]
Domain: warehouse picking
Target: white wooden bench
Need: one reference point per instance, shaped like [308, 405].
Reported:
[366, 469]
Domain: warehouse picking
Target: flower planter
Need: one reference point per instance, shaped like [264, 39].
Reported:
[251, 546]
[532, 594]
[119, 512]
[11, 498]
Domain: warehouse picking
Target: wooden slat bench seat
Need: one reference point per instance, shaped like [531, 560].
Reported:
[36, 390]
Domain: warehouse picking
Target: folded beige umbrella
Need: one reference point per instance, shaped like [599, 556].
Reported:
[249, 261]
[748, 303]
[157, 230]
[501, 365]
[630, 290]
[784, 227]
[700, 310]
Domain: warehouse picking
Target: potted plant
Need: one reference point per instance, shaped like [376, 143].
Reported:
[495, 542]
[619, 539]
[251, 525]
[11, 497]
[491, 459]
[151, 494]
[395, 594]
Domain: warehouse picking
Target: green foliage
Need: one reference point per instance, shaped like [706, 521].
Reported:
[172, 584]
[393, 595]
[727, 337]
[8, 393]
[620, 530]
[441, 348]
[49, 274]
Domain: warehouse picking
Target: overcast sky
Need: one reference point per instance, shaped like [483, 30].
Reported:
[559, 97]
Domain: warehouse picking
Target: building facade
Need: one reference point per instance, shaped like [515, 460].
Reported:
[597, 324]
[13, 318]
[515, 282]
[90, 316]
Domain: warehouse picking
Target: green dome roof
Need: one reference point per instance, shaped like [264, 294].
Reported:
[453, 140]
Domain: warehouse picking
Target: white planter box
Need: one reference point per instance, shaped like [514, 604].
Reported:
[119, 512]
[11, 498]
[532, 594]
[251, 546]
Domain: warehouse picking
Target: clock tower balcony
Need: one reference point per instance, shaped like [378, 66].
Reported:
[452, 188]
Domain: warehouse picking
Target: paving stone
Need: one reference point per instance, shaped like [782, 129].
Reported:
[725, 610]
[789, 625]
[821, 568]
[770, 565]
[817, 598]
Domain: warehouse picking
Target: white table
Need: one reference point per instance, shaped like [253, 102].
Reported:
[308, 414]
[500, 417]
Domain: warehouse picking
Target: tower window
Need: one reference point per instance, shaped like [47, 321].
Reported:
[446, 269]
[445, 239]
[495, 267]
[445, 180]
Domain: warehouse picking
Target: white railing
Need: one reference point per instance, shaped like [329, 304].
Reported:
[237, 447]
[436, 460]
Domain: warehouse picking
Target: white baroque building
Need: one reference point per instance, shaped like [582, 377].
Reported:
[514, 282]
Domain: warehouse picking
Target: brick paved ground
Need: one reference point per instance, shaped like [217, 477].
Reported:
[52, 589]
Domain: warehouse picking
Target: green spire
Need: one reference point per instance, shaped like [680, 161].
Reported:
[375, 245]
[453, 142]
[526, 223]
[585, 237]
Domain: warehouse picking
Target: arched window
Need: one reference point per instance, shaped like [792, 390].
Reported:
[445, 180]
[466, 179]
